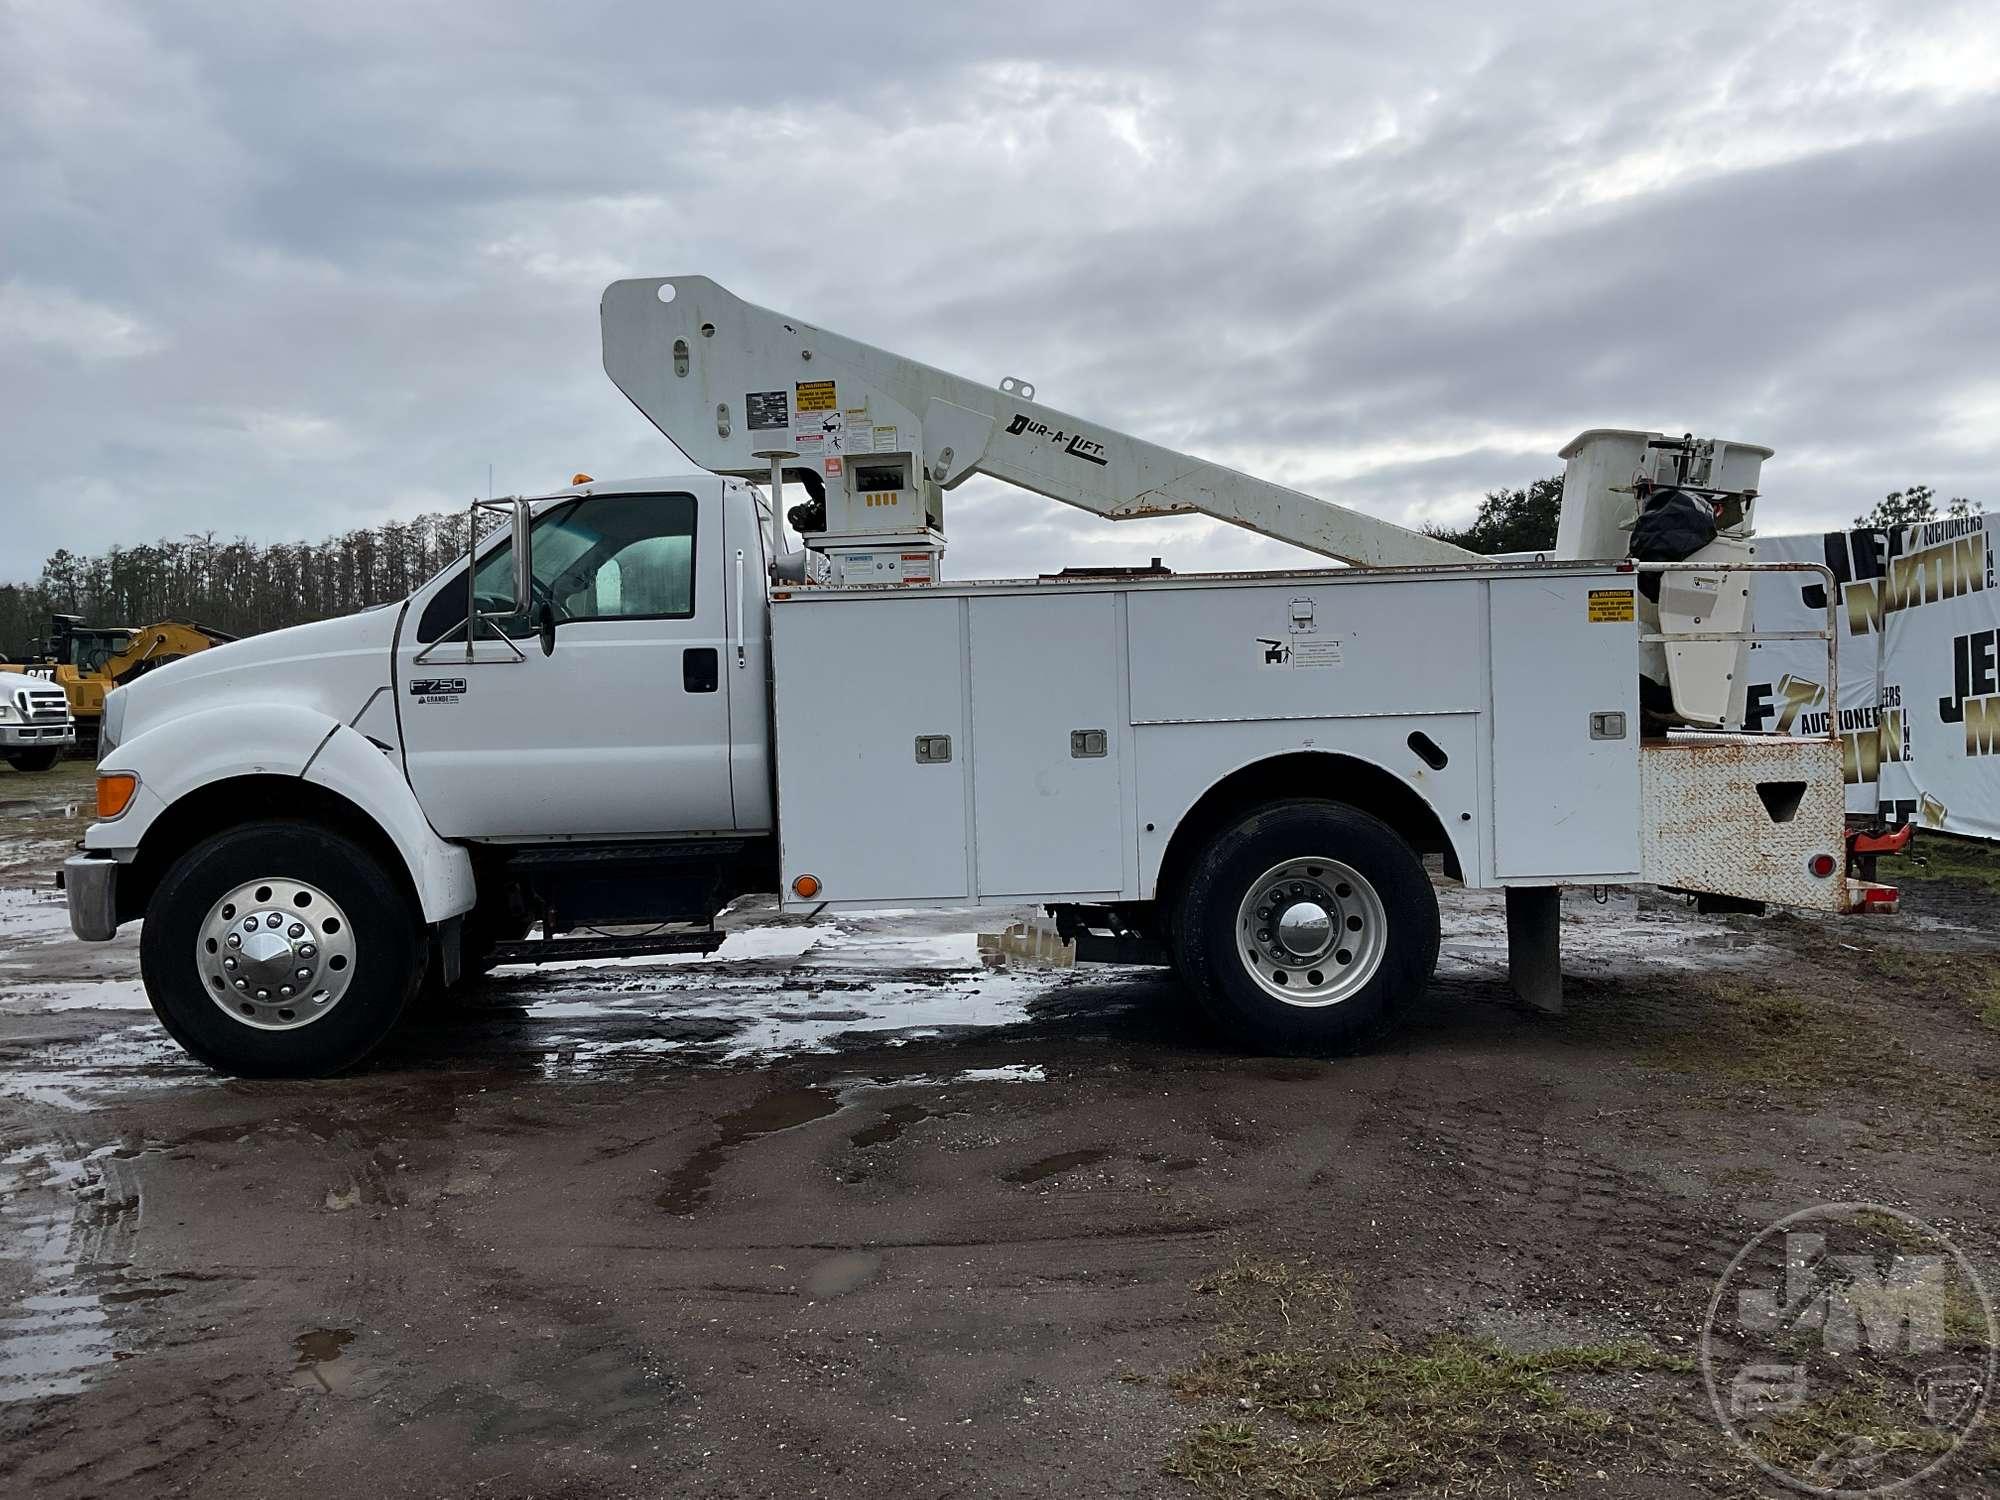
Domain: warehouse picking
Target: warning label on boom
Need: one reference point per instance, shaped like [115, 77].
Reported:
[765, 409]
[815, 395]
[1609, 605]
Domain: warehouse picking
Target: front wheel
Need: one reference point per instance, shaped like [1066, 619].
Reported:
[33, 760]
[1306, 925]
[280, 950]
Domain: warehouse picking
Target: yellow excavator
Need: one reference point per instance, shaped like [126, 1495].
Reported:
[88, 661]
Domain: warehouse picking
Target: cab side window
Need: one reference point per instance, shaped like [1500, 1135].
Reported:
[602, 557]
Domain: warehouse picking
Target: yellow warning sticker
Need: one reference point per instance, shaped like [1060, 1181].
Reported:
[1608, 605]
[815, 395]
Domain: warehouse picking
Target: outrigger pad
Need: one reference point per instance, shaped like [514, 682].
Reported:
[1534, 946]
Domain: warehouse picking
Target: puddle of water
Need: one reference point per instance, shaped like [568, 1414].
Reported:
[1011, 1073]
[318, 1349]
[20, 808]
[739, 1020]
[1618, 937]
[896, 1119]
[53, 1208]
[1050, 1166]
[108, 994]
[840, 1274]
[785, 1109]
[74, 1075]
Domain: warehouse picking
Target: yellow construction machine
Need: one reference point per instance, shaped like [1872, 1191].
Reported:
[88, 661]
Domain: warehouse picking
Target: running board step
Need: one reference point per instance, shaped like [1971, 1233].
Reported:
[568, 950]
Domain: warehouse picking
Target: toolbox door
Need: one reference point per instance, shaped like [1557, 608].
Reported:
[1565, 774]
[1047, 731]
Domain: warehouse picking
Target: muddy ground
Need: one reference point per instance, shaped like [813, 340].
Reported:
[838, 1212]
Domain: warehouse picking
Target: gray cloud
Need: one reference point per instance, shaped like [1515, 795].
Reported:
[282, 271]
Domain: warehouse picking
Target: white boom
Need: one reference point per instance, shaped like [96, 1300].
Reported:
[743, 390]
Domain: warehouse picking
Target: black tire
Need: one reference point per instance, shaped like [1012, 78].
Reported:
[1215, 956]
[33, 760]
[387, 936]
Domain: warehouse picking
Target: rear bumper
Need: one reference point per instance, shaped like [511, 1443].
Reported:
[91, 884]
[36, 736]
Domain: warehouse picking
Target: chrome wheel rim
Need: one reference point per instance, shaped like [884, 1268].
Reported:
[276, 954]
[1311, 932]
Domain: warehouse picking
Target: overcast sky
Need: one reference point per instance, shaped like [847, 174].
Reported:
[283, 269]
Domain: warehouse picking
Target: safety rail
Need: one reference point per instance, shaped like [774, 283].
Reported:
[1829, 634]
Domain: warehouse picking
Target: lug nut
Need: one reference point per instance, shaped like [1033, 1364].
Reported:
[235, 941]
[229, 963]
[304, 974]
[296, 930]
[263, 994]
[285, 990]
[249, 924]
[307, 950]
[243, 984]
[274, 920]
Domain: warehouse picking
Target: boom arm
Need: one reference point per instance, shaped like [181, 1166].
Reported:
[739, 388]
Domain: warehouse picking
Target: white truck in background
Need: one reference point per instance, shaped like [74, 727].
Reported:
[637, 701]
[36, 726]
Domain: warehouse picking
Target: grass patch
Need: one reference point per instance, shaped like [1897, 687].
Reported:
[1290, 1296]
[1452, 1412]
[1750, 1032]
[1861, 1421]
[1971, 978]
[1940, 856]
[1302, 1411]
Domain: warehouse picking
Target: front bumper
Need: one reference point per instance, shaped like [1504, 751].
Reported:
[91, 883]
[36, 736]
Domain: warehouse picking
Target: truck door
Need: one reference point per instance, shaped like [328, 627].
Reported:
[624, 727]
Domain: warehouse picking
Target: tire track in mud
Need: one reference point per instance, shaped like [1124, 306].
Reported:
[245, 1391]
[1588, 1231]
[61, 1204]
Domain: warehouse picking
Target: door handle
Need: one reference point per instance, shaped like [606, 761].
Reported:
[701, 669]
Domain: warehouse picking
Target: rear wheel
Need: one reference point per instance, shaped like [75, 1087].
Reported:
[33, 760]
[280, 950]
[1306, 925]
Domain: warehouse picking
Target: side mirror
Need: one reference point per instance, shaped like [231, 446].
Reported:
[489, 612]
[545, 623]
[524, 563]
[522, 522]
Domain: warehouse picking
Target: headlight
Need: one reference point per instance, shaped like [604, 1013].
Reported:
[6, 713]
[112, 726]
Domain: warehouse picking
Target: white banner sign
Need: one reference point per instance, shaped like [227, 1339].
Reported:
[1919, 667]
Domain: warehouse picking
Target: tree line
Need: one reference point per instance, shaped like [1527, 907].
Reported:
[243, 587]
[237, 586]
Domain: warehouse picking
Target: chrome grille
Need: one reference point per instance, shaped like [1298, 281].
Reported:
[42, 705]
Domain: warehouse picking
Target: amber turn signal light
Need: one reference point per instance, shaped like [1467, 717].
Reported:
[806, 887]
[114, 792]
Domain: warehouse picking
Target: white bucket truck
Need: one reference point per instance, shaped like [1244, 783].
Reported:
[638, 701]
